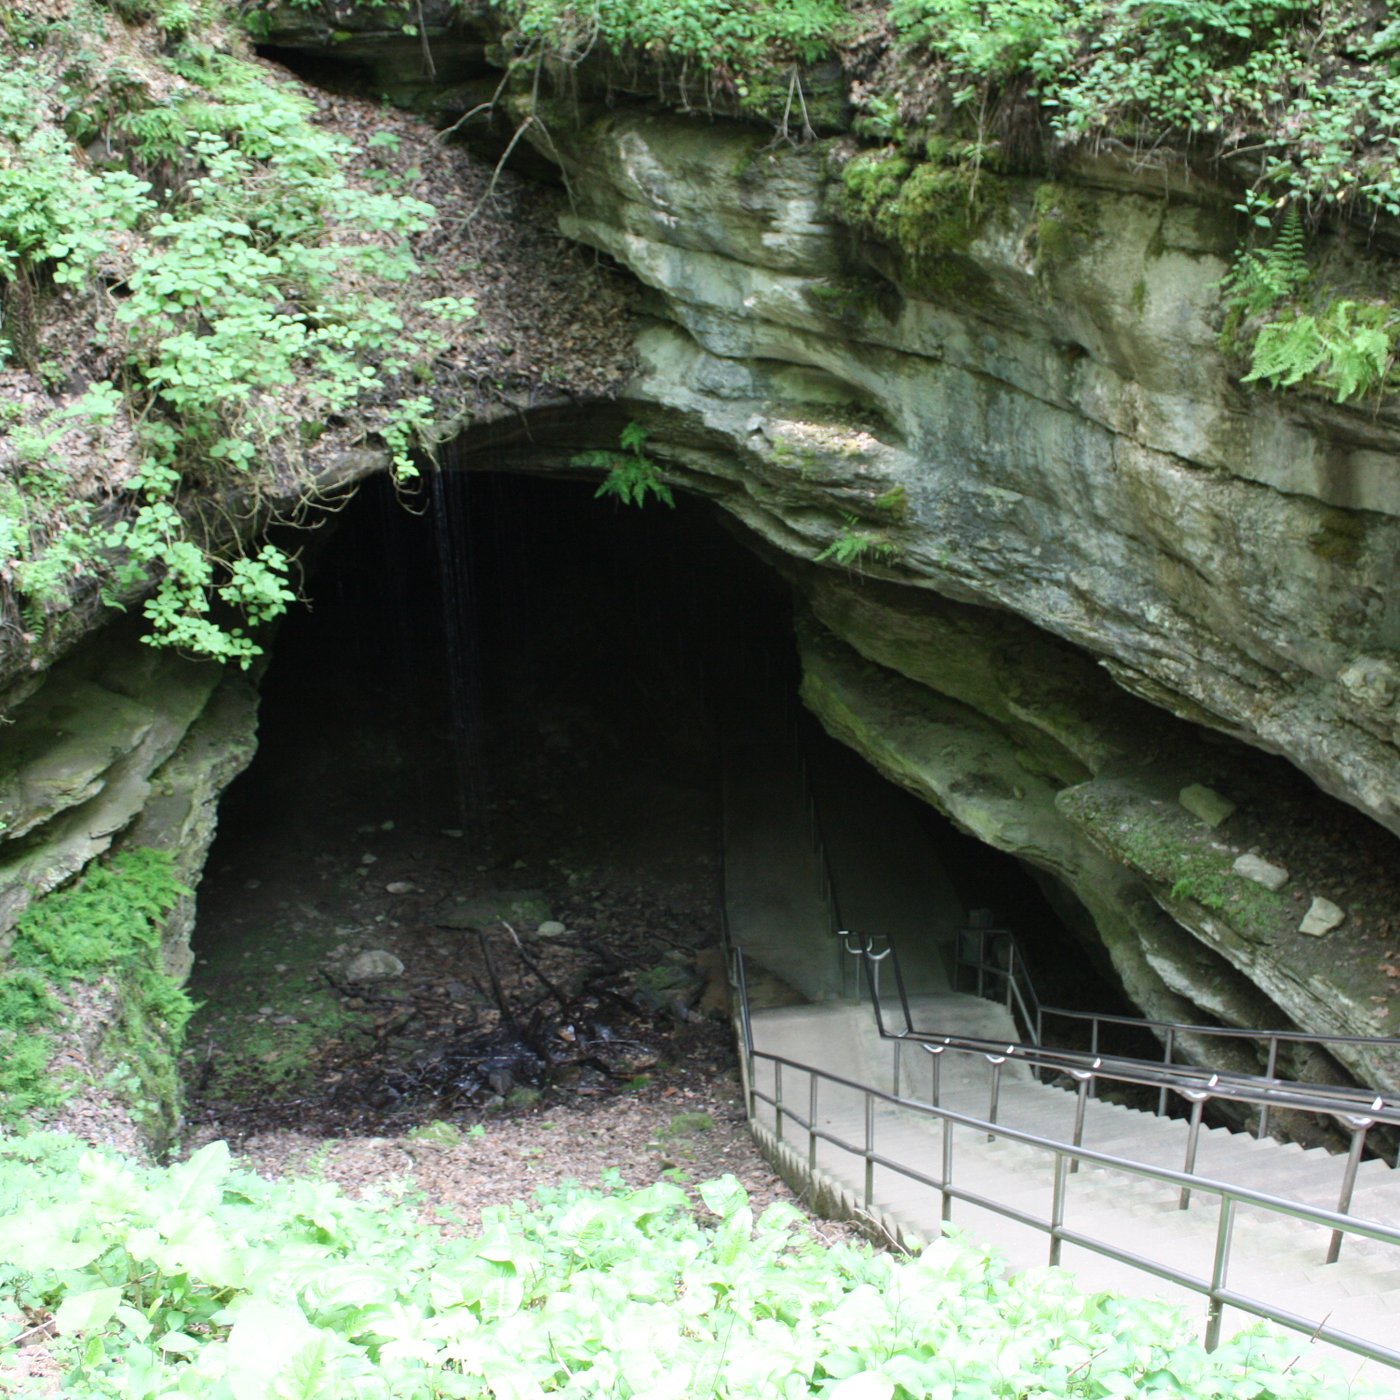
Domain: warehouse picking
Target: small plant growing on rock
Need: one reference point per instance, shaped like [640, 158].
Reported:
[632, 475]
[855, 543]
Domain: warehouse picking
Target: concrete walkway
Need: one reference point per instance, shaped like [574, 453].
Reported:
[889, 883]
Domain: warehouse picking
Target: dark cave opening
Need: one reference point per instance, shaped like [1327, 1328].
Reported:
[503, 684]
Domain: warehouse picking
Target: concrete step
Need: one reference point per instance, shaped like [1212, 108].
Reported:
[1274, 1258]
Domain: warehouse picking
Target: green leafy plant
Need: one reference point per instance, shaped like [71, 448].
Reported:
[260, 294]
[856, 543]
[1295, 335]
[201, 1281]
[632, 476]
[744, 40]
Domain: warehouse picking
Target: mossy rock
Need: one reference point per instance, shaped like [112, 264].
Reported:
[1066, 222]
[1180, 858]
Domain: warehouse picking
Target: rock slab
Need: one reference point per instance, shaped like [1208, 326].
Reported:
[1261, 871]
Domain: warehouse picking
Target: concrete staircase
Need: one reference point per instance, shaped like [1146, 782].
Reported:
[888, 885]
[1277, 1260]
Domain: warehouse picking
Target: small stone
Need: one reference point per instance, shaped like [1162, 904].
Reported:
[374, 965]
[267, 1011]
[1322, 917]
[400, 887]
[368, 859]
[1205, 803]
[386, 826]
[454, 832]
[552, 928]
[1261, 871]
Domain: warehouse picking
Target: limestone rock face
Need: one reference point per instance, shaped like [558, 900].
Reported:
[119, 744]
[1057, 436]
[1077, 509]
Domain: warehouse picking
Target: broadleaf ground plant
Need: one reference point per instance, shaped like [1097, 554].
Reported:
[199, 1280]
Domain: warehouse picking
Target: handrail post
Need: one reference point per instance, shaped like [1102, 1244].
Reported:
[1010, 970]
[1081, 1101]
[947, 1210]
[996, 1062]
[1215, 1310]
[1094, 1051]
[778, 1099]
[1270, 1072]
[1197, 1099]
[1166, 1060]
[869, 1149]
[812, 1123]
[936, 1086]
[1359, 1128]
[898, 1064]
[1057, 1207]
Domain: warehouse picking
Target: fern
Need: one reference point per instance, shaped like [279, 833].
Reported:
[1286, 352]
[1264, 277]
[854, 543]
[632, 476]
[1346, 347]
[1358, 344]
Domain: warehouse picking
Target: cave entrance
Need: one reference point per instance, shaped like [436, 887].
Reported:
[502, 712]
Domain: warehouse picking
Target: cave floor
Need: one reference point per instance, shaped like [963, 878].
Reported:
[620, 1057]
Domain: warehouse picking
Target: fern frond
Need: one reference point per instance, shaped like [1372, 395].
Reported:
[1287, 351]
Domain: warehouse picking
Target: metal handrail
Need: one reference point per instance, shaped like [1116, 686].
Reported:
[1355, 1111]
[1021, 994]
[1168, 1031]
[1067, 1156]
[1352, 1096]
[1218, 1295]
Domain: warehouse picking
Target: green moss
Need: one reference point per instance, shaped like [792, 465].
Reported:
[1066, 220]
[930, 211]
[868, 187]
[894, 503]
[687, 1124]
[107, 924]
[939, 210]
[273, 1055]
[1182, 862]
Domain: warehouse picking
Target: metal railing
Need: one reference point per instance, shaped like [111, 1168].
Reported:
[995, 960]
[1355, 1110]
[1001, 974]
[1065, 1158]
